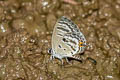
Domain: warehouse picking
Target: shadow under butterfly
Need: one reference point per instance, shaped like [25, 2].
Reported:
[67, 41]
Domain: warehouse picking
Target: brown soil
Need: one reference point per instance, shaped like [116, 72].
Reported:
[25, 35]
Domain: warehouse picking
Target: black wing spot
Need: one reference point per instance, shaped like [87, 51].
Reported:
[59, 46]
[71, 52]
[64, 49]
[64, 39]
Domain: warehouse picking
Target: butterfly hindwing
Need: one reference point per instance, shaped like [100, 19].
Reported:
[65, 38]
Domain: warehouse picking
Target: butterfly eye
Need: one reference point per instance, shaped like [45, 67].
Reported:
[50, 51]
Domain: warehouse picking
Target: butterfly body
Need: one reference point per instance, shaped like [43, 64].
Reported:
[67, 40]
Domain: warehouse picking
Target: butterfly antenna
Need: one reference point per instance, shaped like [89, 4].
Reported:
[92, 60]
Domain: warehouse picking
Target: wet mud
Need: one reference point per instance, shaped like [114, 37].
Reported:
[25, 36]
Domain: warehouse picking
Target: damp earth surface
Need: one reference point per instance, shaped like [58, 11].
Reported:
[25, 36]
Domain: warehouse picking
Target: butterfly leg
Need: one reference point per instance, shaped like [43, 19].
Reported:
[67, 60]
[52, 57]
[61, 61]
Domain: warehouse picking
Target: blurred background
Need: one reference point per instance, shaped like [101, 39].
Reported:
[25, 36]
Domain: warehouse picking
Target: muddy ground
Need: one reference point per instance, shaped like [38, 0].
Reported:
[25, 35]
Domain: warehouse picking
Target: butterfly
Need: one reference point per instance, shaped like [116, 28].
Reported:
[67, 40]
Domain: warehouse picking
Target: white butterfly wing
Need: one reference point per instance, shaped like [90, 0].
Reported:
[65, 38]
